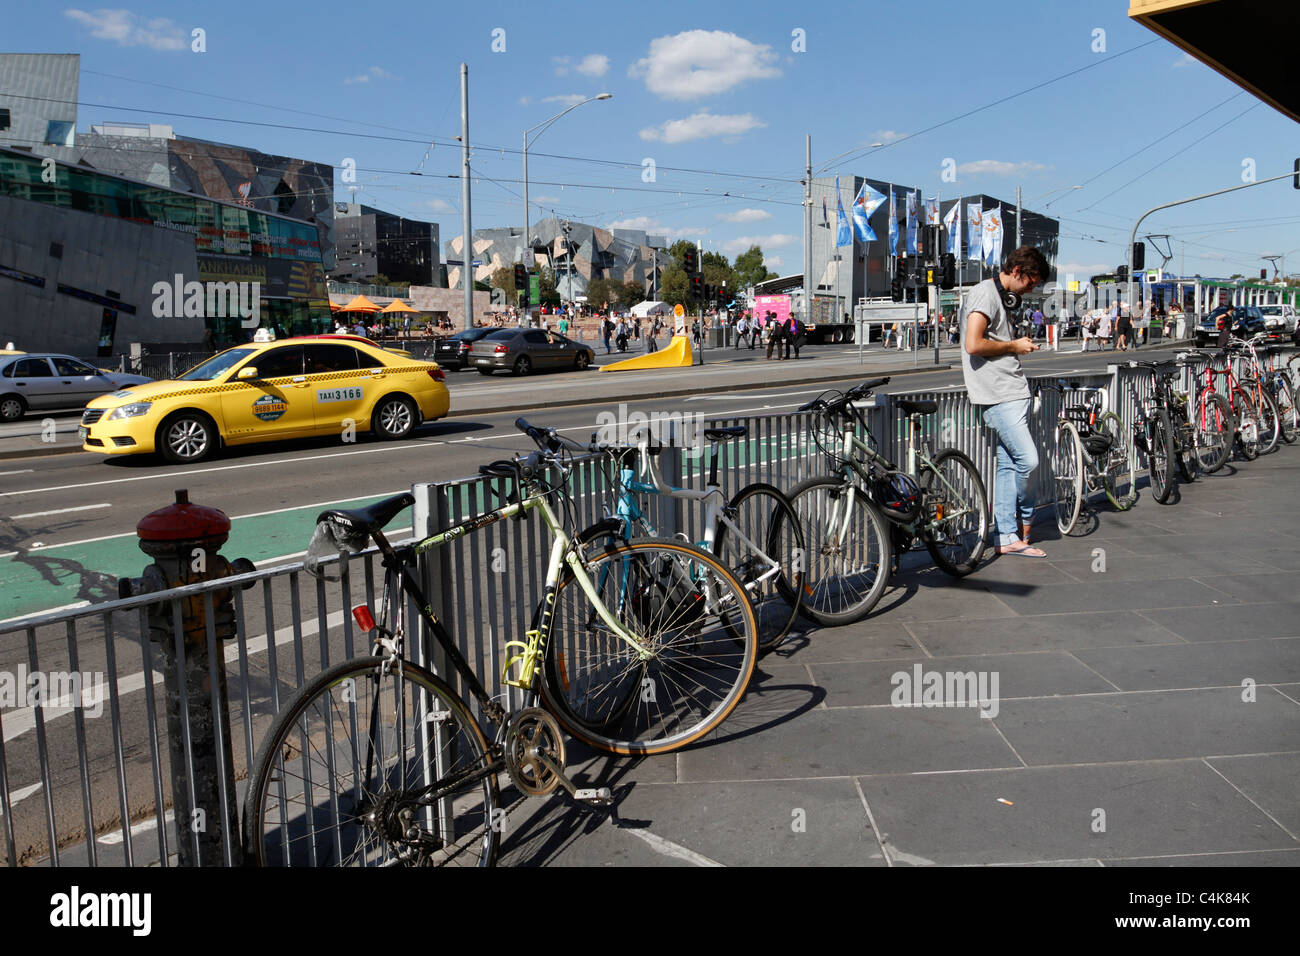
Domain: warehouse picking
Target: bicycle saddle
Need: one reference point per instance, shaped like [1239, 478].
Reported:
[372, 518]
[722, 434]
[917, 408]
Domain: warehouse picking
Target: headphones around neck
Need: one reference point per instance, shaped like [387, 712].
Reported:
[1011, 300]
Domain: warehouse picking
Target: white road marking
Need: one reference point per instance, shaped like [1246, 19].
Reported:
[52, 610]
[670, 849]
[733, 396]
[60, 511]
[21, 471]
[114, 838]
[20, 794]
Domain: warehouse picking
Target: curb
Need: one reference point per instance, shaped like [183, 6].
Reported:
[38, 453]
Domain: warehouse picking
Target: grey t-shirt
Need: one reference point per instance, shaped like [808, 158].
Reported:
[993, 380]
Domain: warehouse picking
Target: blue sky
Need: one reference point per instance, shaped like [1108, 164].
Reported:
[717, 96]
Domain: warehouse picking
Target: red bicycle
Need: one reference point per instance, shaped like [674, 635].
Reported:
[1243, 424]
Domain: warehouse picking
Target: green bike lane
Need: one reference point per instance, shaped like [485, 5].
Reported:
[40, 579]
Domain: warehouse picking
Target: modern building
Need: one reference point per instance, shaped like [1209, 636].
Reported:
[844, 274]
[575, 251]
[370, 242]
[38, 98]
[91, 263]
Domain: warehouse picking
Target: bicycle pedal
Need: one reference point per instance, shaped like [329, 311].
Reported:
[593, 795]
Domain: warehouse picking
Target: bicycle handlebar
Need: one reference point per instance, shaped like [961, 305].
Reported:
[854, 394]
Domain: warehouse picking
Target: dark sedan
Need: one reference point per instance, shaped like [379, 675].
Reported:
[453, 351]
[1247, 320]
[523, 350]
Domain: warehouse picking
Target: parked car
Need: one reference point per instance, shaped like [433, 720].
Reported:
[453, 351]
[522, 350]
[1279, 320]
[1246, 320]
[44, 381]
[292, 388]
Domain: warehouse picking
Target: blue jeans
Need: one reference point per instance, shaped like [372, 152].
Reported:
[1013, 495]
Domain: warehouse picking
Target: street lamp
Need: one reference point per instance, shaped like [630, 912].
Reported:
[539, 129]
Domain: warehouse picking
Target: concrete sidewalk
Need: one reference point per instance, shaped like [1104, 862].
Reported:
[1148, 713]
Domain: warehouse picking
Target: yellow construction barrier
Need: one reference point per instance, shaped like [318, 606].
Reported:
[677, 354]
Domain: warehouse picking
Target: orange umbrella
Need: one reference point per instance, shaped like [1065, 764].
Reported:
[360, 304]
[397, 305]
[335, 307]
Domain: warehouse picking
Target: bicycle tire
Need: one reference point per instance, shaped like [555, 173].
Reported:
[1287, 414]
[1246, 417]
[1067, 473]
[700, 632]
[1120, 479]
[1269, 430]
[956, 548]
[461, 832]
[765, 517]
[1214, 431]
[1160, 457]
[844, 578]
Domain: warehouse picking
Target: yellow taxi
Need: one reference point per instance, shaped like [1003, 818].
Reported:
[263, 391]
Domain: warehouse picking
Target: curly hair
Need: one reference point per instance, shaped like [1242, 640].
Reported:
[1030, 261]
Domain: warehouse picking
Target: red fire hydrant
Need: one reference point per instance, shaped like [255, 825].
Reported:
[183, 539]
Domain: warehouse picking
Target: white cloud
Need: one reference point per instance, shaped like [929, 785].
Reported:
[698, 63]
[593, 64]
[126, 29]
[374, 73]
[568, 99]
[745, 215]
[742, 243]
[702, 125]
[995, 167]
[772, 262]
[888, 136]
[441, 205]
[638, 222]
[544, 199]
[1185, 60]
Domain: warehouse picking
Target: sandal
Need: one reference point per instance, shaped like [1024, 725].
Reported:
[1021, 549]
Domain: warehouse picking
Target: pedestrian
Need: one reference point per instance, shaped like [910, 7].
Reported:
[794, 335]
[995, 382]
[742, 330]
[1123, 329]
[1104, 327]
[607, 331]
[621, 333]
[1037, 319]
[563, 325]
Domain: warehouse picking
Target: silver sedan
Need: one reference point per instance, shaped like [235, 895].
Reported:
[43, 381]
[523, 350]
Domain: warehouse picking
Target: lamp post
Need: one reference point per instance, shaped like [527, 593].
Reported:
[539, 129]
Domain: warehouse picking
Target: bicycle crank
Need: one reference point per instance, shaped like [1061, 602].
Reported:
[532, 735]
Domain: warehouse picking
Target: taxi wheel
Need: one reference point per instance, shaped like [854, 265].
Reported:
[523, 365]
[11, 408]
[186, 437]
[394, 417]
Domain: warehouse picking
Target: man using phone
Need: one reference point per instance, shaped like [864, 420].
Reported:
[997, 385]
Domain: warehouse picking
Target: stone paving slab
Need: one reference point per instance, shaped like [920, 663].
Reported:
[1196, 665]
[1041, 632]
[1249, 621]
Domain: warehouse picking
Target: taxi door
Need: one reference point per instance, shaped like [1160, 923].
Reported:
[339, 378]
[276, 404]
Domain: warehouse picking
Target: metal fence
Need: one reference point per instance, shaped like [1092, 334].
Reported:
[79, 789]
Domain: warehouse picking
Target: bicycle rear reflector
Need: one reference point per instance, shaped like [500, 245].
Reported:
[365, 620]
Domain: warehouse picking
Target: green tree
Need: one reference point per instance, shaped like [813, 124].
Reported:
[546, 289]
[504, 278]
[602, 291]
[717, 271]
[673, 287]
[633, 293]
[750, 269]
[678, 251]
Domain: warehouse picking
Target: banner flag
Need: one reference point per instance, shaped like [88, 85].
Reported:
[864, 206]
[911, 223]
[893, 224]
[953, 222]
[974, 229]
[843, 234]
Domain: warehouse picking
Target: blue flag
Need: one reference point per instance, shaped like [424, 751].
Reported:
[843, 235]
[911, 223]
[868, 202]
[893, 225]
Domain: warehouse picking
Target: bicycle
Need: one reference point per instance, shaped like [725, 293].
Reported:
[756, 533]
[939, 500]
[1091, 452]
[1245, 418]
[1266, 386]
[378, 761]
[1167, 430]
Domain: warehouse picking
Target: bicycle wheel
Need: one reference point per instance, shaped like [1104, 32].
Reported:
[1067, 471]
[339, 778]
[699, 643]
[1288, 417]
[1160, 456]
[1214, 429]
[1247, 418]
[766, 553]
[1269, 426]
[959, 512]
[848, 556]
[1120, 478]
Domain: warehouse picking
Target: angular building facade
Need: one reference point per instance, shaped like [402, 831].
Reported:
[370, 242]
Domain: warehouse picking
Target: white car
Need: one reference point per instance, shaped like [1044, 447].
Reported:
[1279, 317]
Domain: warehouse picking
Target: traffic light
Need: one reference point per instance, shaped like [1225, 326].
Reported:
[521, 276]
[1263, 274]
[691, 261]
[697, 287]
[1139, 255]
[1121, 272]
[947, 270]
[896, 287]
